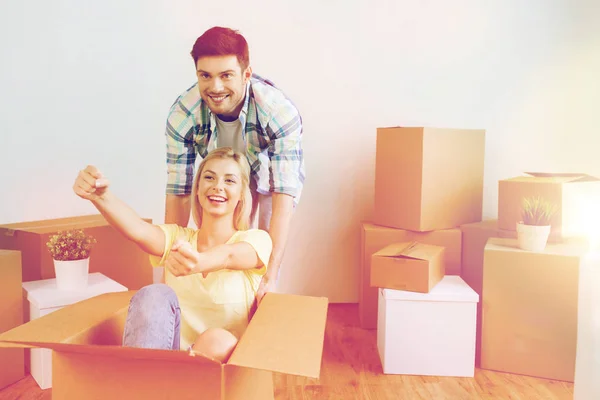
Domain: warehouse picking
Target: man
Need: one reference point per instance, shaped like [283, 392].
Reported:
[230, 106]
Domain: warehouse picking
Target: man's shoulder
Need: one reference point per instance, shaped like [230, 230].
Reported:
[268, 97]
[189, 98]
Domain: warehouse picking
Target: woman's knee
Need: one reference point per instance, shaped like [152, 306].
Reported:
[155, 295]
[216, 343]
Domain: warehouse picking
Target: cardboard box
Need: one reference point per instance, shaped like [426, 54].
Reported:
[285, 335]
[576, 195]
[474, 239]
[428, 178]
[113, 255]
[375, 237]
[428, 333]
[587, 361]
[530, 309]
[11, 315]
[410, 266]
[44, 298]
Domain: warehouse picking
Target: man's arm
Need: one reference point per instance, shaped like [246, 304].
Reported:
[181, 158]
[177, 209]
[279, 228]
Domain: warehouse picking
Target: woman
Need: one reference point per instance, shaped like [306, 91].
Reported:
[211, 273]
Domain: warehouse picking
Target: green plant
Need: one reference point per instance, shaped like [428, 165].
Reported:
[537, 211]
[73, 244]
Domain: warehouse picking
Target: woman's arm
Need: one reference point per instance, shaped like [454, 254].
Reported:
[91, 185]
[251, 252]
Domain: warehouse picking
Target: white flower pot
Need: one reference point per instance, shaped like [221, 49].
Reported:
[72, 275]
[532, 237]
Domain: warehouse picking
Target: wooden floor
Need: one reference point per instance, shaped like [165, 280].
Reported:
[351, 370]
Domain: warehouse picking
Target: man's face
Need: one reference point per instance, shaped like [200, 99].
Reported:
[222, 84]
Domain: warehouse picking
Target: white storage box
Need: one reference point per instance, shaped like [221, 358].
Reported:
[44, 298]
[428, 333]
[587, 364]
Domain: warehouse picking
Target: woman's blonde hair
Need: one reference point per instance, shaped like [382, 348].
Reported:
[241, 215]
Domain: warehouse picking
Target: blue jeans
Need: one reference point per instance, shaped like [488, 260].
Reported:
[153, 319]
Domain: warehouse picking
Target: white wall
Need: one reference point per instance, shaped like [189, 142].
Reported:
[92, 83]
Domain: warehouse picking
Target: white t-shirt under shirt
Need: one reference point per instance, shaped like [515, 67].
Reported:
[229, 134]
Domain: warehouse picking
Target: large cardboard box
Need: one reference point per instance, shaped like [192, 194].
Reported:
[576, 196]
[428, 333]
[375, 237]
[409, 266]
[44, 297]
[12, 366]
[285, 335]
[113, 255]
[428, 178]
[530, 308]
[587, 364]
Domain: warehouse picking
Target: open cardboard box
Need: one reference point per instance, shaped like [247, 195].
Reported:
[409, 266]
[285, 335]
[576, 196]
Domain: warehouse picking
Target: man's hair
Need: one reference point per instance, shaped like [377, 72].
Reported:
[219, 41]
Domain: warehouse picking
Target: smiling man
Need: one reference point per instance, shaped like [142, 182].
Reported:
[230, 106]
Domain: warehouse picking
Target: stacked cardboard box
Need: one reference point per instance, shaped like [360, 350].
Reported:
[530, 307]
[428, 182]
[11, 315]
[536, 335]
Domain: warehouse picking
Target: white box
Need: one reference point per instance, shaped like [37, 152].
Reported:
[428, 333]
[44, 298]
[587, 362]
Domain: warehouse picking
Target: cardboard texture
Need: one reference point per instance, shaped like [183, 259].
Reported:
[409, 266]
[428, 178]
[285, 335]
[530, 309]
[376, 237]
[575, 195]
[12, 360]
[474, 239]
[587, 365]
[113, 255]
[44, 298]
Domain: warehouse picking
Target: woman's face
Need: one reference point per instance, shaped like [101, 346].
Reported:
[220, 186]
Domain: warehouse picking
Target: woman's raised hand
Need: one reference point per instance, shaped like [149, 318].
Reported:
[90, 184]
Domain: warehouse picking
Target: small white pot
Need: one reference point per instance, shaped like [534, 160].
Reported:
[72, 275]
[532, 237]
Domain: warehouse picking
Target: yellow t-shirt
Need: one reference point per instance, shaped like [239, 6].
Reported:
[222, 299]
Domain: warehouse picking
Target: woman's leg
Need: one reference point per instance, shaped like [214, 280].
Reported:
[154, 319]
[216, 343]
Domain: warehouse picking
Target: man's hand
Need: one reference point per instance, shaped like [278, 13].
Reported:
[183, 260]
[266, 285]
[90, 184]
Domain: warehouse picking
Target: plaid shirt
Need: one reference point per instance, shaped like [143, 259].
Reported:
[271, 129]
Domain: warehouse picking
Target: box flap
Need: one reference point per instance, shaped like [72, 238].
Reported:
[451, 288]
[285, 335]
[561, 177]
[62, 325]
[413, 250]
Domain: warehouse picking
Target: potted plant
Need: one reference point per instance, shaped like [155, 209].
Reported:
[534, 228]
[70, 251]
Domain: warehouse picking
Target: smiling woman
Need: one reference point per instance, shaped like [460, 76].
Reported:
[212, 273]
